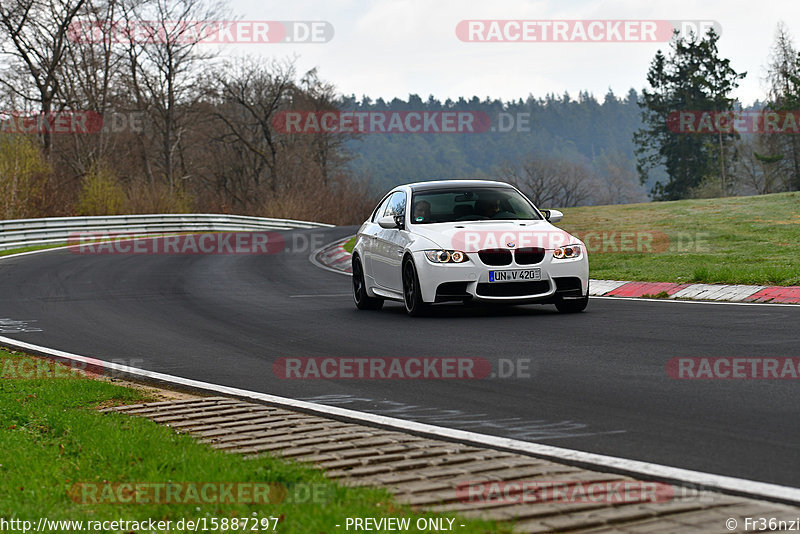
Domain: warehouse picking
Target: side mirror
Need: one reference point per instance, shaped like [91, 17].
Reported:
[553, 215]
[388, 222]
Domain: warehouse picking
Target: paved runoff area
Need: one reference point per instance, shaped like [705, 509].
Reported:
[334, 256]
[454, 479]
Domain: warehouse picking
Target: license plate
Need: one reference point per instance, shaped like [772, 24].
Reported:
[515, 276]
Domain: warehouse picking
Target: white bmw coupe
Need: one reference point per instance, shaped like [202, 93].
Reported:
[468, 240]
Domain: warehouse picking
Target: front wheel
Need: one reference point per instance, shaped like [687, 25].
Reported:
[572, 305]
[362, 300]
[412, 294]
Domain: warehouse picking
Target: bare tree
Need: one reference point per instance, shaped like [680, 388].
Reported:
[327, 147]
[618, 182]
[534, 177]
[164, 66]
[249, 93]
[575, 183]
[91, 75]
[34, 39]
[551, 182]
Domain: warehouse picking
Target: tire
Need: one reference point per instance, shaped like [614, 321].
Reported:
[362, 300]
[572, 305]
[412, 295]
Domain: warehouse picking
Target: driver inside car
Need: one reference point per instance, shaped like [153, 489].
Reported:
[422, 211]
[487, 208]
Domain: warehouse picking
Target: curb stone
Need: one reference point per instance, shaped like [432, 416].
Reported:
[434, 475]
[335, 256]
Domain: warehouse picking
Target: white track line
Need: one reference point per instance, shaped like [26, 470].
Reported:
[590, 460]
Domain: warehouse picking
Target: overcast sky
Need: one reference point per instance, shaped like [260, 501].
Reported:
[391, 48]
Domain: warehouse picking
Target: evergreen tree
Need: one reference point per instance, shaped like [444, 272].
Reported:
[692, 78]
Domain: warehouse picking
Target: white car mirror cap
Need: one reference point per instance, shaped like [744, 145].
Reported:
[554, 215]
[387, 221]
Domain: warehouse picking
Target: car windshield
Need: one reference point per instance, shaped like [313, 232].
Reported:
[470, 204]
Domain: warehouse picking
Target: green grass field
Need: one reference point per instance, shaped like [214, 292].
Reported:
[736, 240]
[52, 438]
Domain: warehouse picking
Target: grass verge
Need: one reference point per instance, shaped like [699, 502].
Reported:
[737, 240]
[52, 438]
[350, 245]
[28, 249]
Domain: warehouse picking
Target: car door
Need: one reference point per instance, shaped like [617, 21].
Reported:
[369, 235]
[389, 247]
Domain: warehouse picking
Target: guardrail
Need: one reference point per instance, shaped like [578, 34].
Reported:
[19, 233]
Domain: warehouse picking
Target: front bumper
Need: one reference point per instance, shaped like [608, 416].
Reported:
[470, 280]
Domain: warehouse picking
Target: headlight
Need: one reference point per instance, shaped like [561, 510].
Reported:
[446, 256]
[568, 252]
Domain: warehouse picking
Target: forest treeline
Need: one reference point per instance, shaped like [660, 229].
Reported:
[585, 146]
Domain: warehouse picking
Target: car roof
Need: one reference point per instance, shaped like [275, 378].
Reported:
[449, 184]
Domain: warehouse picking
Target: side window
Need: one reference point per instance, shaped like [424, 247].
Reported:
[380, 210]
[397, 204]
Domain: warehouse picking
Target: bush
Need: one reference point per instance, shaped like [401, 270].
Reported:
[101, 192]
[23, 173]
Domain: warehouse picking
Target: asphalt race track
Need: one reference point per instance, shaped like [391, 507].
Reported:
[597, 383]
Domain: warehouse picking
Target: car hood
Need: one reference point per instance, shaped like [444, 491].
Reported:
[471, 236]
